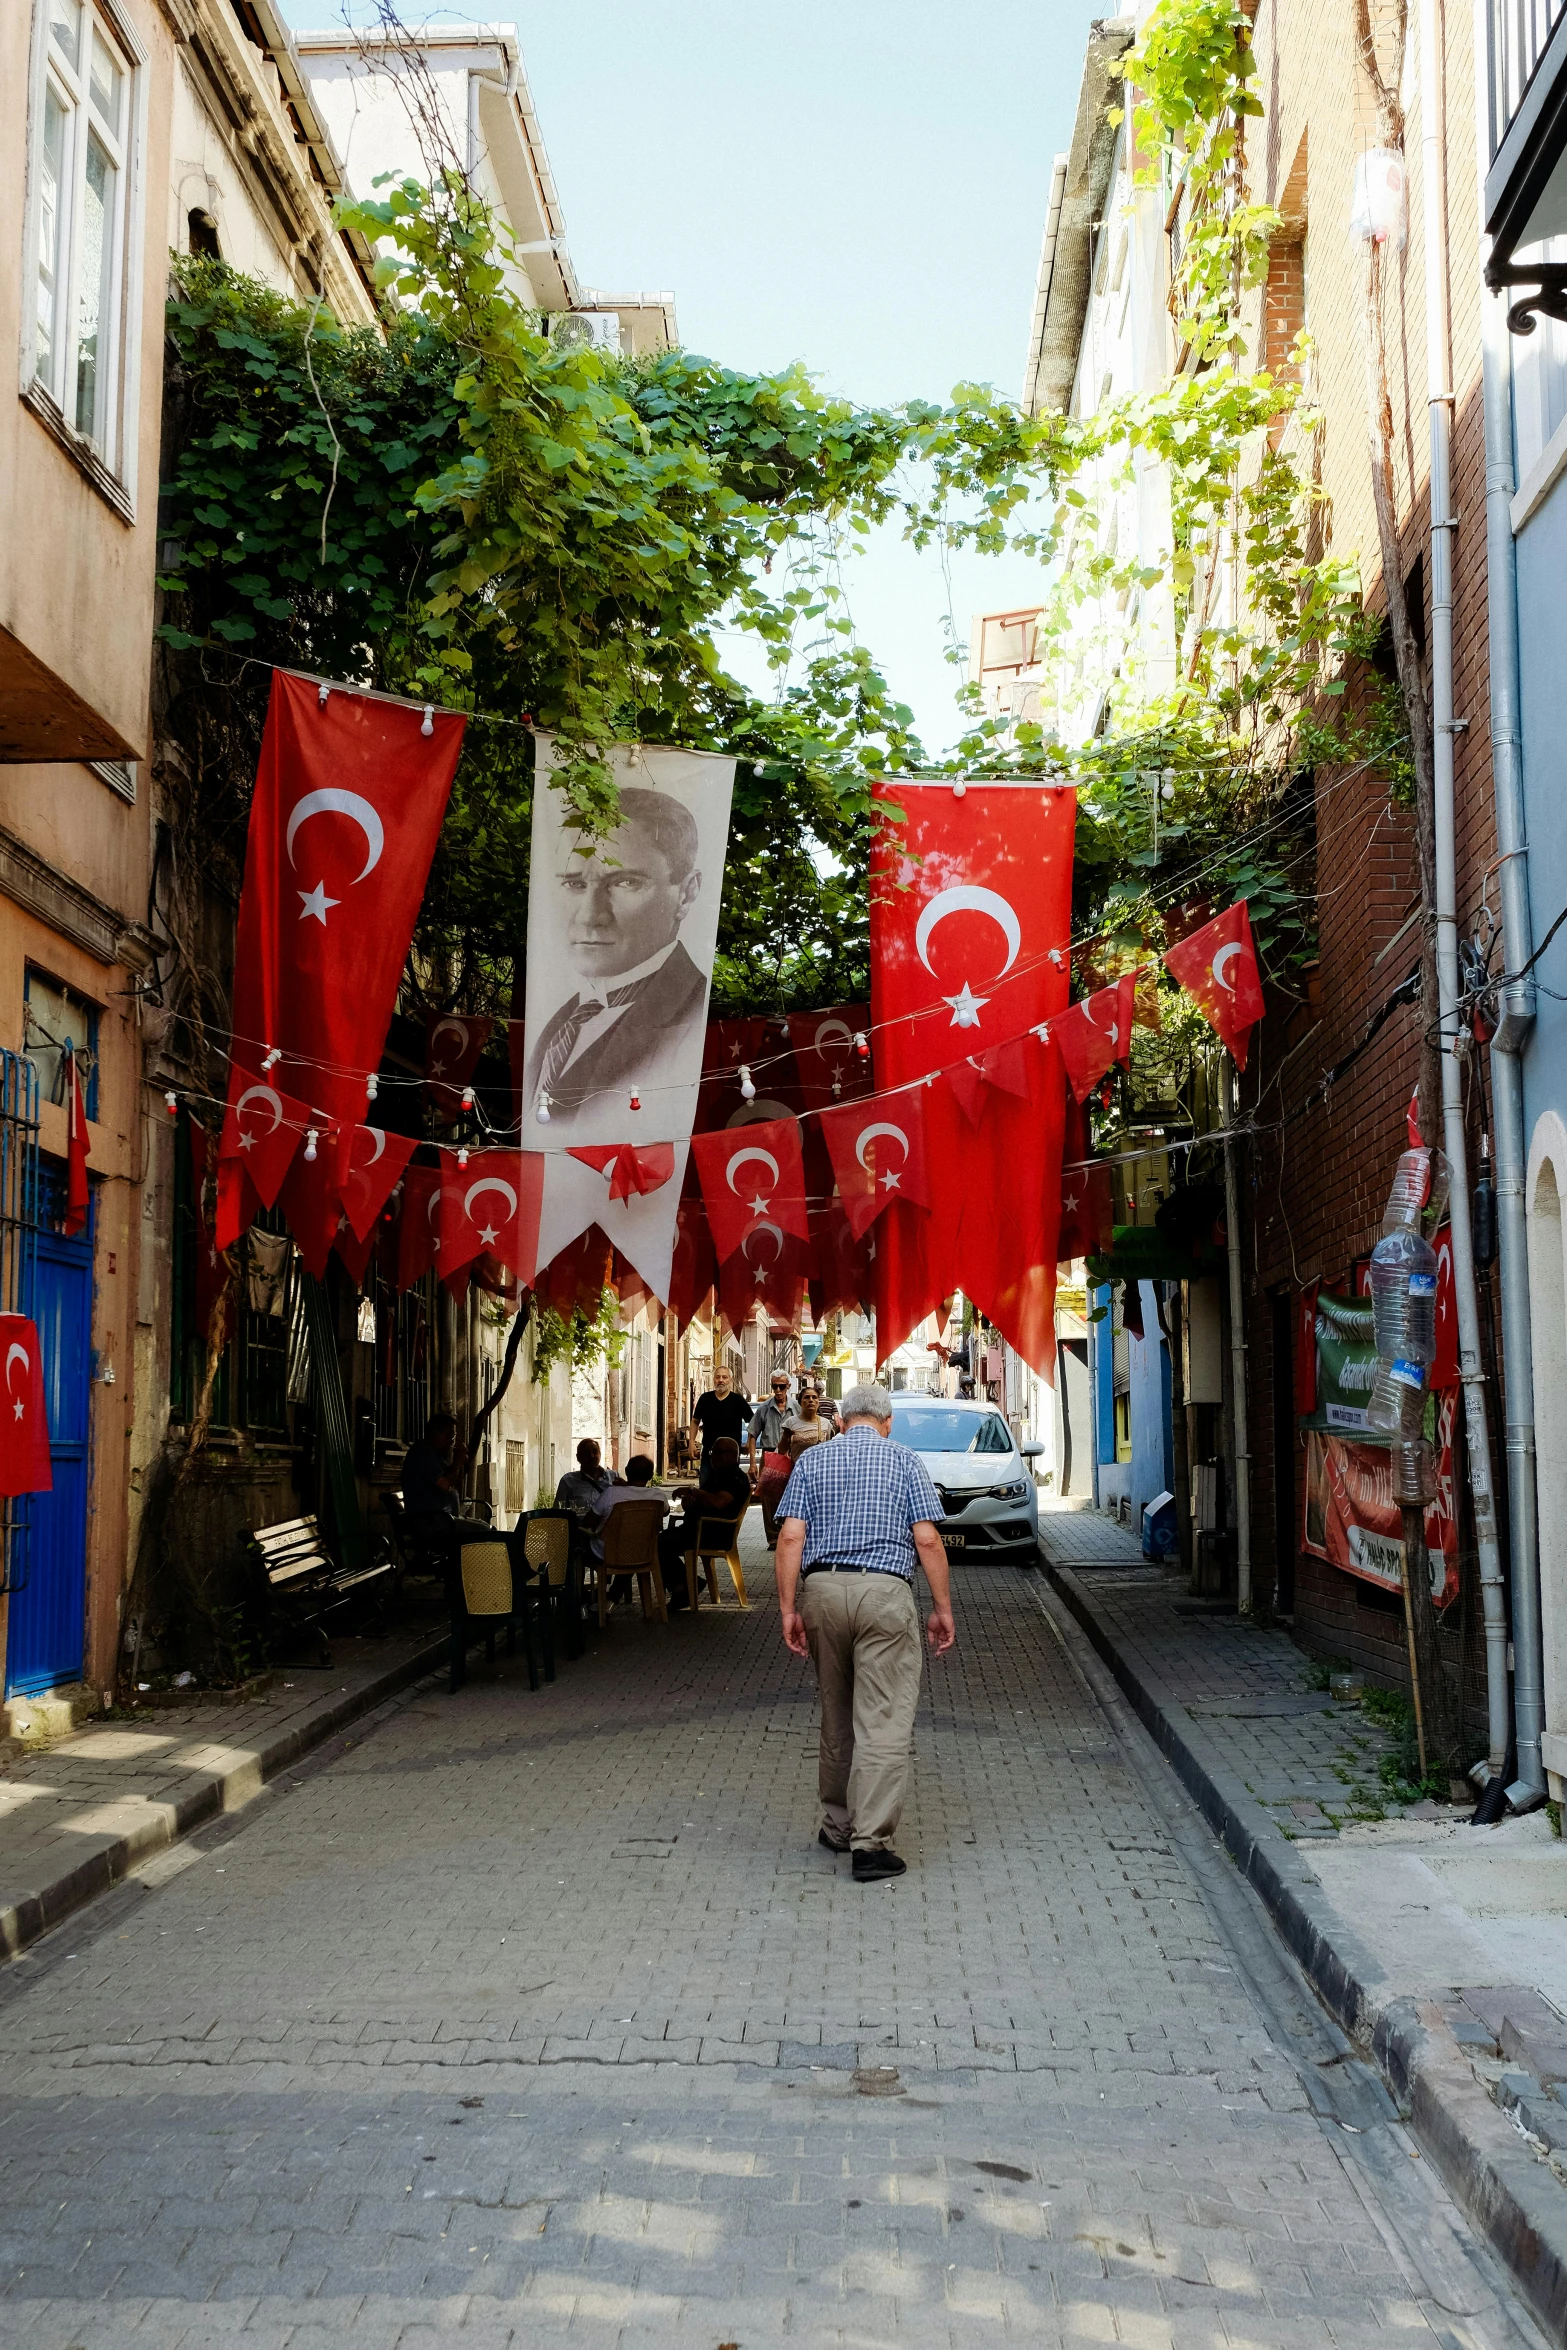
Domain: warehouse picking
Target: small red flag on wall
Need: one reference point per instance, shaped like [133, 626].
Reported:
[24, 1417]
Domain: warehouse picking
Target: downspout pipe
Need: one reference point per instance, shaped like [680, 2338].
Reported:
[1444, 523]
[1239, 1418]
[1516, 1009]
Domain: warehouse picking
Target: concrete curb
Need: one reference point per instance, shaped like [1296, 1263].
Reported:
[1509, 2196]
[210, 1793]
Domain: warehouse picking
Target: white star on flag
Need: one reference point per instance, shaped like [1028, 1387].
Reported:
[315, 902]
[1070, 1203]
[965, 1007]
[890, 1181]
[759, 1276]
[20, 1407]
[488, 1234]
[759, 1207]
[247, 1142]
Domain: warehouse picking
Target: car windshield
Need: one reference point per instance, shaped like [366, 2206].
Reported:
[928, 1430]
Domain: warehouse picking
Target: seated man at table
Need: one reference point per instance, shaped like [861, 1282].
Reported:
[633, 1486]
[580, 1488]
[724, 1493]
[432, 1483]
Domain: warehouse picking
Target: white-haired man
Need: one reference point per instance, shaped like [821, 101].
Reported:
[852, 1520]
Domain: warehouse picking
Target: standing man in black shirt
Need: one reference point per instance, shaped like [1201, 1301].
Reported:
[720, 1412]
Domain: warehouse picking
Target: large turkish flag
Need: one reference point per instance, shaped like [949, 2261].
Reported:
[24, 1414]
[971, 900]
[753, 1178]
[350, 793]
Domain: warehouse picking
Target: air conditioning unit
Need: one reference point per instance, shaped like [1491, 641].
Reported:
[584, 330]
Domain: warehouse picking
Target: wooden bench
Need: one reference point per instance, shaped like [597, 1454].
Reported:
[305, 1585]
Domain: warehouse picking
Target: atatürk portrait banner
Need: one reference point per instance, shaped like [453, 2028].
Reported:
[621, 937]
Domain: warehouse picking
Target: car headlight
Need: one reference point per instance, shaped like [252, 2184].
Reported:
[1014, 1492]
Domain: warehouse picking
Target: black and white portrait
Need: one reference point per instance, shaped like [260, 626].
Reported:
[620, 953]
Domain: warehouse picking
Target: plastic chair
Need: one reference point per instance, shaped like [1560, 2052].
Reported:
[483, 1594]
[552, 1559]
[716, 1538]
[630, 1539]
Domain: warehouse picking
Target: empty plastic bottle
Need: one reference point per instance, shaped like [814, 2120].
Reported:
[1403, 1304]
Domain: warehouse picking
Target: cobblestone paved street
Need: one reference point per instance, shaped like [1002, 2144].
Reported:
[525, 2018]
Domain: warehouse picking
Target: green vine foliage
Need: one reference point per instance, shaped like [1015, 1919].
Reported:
[458, 508]
[578, 1339]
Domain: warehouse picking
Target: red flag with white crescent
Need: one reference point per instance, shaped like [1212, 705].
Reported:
[769, 1269]
[1217, 966]
[753, 1177]
[263, 1127]
[311, 1206]
[970, 936]
[453, 1045]
[877, 1150]
[24, 1412]
[830, 1065]
[369, 1165]
[629, 1172]
[491, 1207]
[1095, 1033]
[734, 1050]
[416, 1226]
[350, 793]
[1087, 1207]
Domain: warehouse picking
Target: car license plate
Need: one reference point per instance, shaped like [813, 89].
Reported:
[954, 1541]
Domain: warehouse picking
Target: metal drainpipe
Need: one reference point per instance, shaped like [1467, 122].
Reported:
[1517, 1009]
[1238, 1414]
[1443, 524]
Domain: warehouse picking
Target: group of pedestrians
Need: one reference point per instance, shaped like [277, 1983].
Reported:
[850, 1514]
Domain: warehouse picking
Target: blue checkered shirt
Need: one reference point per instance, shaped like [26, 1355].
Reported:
[860, 1498]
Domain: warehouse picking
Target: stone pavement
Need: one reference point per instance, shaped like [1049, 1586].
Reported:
[1444, 1946]
[77, 1815]
[531, 2018]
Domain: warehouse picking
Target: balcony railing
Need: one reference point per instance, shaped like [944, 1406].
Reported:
[1519, 31]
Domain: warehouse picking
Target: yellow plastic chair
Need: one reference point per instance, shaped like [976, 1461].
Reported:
[716, 1538]
[484, 1597]
[550, 1554]
[631, 1533]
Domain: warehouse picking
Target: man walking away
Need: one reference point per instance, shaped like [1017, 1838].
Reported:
[852, 1520]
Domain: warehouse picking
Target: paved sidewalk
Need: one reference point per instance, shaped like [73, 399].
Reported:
[537, 2018]
[1442, 1948]
[76, 1817]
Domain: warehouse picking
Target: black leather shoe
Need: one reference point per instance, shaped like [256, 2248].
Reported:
[879, 1861]
[824, 1839]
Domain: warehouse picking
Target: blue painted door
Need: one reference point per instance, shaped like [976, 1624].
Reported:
[48, 1614]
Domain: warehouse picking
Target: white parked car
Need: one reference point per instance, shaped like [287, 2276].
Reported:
[989, 1500]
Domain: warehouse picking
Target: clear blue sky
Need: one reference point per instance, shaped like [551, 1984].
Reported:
[852, 183]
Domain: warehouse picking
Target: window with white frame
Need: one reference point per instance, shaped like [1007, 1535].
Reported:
[84, 112]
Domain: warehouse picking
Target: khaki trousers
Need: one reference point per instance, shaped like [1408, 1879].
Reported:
[864, 1635]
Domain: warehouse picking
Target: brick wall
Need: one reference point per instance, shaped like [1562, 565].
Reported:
[1318, 1180]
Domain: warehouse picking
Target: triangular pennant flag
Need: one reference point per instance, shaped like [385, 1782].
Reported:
[370, 1164]
[451, 1055]
[262, 1129]
[491, 1206]
[1217, 966]
[1096, 1033]
[1004, 1065]
[416, 1227]
[753, 1178]
[76, 1194]
[877, 1148]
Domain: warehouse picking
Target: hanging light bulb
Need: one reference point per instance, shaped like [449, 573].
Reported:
[747, 1089]
[636, 1101]
[429, 719]
[462, 1156]
[1106, 1093]
[372, 1086]
[467, 1097]
[837, 1087]
[270, 1058]
[172, 1103]
[862, 1044]
[542, 1113]
[321, 695]
[310, 1142]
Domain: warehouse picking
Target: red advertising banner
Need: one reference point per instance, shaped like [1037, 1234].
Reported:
[1353, 1521]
